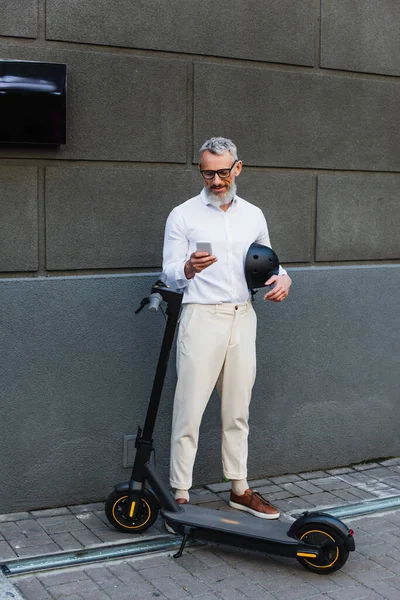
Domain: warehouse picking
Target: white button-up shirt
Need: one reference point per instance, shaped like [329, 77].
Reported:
[230, 233]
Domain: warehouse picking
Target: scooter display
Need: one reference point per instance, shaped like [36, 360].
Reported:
[319, 541]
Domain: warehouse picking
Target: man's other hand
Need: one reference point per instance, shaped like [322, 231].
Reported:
[280, 291]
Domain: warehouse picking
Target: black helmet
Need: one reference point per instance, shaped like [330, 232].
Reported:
[261, 263]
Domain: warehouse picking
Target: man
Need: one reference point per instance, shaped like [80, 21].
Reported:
[217, 331]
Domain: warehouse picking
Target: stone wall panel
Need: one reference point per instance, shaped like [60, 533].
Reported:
[358, 217]
[119, 107]
[275, 31]
[18, 218]
[19, 18]
[287, 203]
[98, 218]
[361, 35]
[287, 119]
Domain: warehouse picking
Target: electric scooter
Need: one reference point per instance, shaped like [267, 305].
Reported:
[319, 541]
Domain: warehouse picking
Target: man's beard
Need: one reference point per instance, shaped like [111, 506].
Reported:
[221, 199]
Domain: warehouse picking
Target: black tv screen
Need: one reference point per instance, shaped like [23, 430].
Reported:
[32, 102]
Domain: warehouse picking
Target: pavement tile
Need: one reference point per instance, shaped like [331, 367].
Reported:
[393, 481]
[191, 584]
[347, 496]
[60, 524]
[360, 494]
[266, 490]
[282, 495]
[379, 473]
[166, 571]
[32, 589]
[256, 483]
[340, 471]
[285, 479]
[90, 520]
[355, 592]
[313, 474]
[365, 466]
[62, 576]
[219, 487]
[14, 517]
[171, 589]
[72, 587]
[329, 484]
[203, 498]
[320, 500]
[85, 538]
[389, 563]
[30, 527]
[134, 590]
[149, 561]
[81, 508]
[300, 592]
[356, 478]
[209, 596]
[301, 490]
[24, 541]
[96, 595]
[385, 589]
[66, 541]
[255, 592]
[208, 557]
[390, 462]
[38, 550]
[230, 594]
[125, 573]
[102, 516]
[50, 512]
[10, 530]
[6, 552]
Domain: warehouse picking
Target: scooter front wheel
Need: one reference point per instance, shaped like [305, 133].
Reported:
[148, 512]
[334, 553]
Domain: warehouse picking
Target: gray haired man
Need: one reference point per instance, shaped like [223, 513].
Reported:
[217, 331]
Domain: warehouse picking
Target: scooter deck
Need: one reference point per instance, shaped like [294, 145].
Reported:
[234, 528]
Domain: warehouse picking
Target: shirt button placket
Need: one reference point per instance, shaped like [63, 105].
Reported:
[228, 230]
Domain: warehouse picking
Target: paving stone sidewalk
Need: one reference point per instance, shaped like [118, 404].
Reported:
[210, 572]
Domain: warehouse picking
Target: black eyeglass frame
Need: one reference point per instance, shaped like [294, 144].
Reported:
[218, 172]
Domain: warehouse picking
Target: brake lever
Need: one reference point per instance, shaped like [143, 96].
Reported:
[142, 305]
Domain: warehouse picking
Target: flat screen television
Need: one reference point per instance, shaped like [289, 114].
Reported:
[32, 102]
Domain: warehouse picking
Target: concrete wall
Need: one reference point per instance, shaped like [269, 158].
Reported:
[309, 91]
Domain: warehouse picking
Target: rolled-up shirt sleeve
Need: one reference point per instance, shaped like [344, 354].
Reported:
[263, 238]
[176, 249]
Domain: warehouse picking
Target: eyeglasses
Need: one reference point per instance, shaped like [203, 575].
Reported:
[222, 173]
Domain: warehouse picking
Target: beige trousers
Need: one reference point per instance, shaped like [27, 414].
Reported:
[215, 347]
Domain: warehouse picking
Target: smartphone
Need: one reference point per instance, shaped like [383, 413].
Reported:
[204, 247]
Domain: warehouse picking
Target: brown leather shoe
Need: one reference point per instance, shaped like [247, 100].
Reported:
[181, 501]
[255, 504]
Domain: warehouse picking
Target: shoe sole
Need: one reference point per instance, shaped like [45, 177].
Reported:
[169, 528]
[254, 512]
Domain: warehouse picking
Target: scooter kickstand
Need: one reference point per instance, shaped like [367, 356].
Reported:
[186, 535]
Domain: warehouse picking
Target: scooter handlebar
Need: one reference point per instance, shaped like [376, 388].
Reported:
[154, 301]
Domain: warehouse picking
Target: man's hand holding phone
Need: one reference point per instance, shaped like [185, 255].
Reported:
[199, 260]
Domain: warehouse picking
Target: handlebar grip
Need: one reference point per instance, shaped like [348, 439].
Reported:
[154, 302]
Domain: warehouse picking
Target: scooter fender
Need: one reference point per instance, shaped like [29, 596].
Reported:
[124, 487]
[319, 517]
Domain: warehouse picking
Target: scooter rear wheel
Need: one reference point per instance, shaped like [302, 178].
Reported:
[334, 553]
[148, 512]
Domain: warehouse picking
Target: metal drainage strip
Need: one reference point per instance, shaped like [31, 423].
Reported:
[361, 508]
[90, 555]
